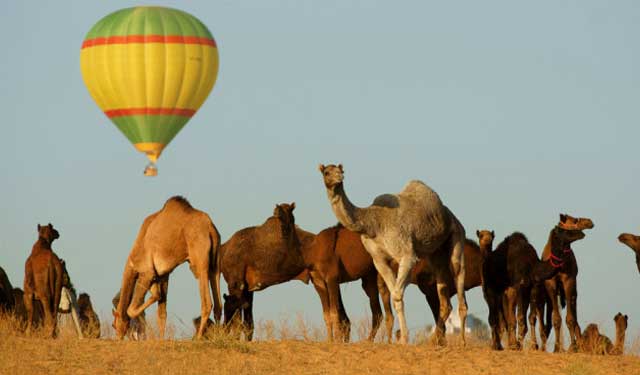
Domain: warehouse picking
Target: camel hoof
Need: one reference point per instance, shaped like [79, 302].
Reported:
[534, 346]
[557, 349]
[573, 348]
[497, 346]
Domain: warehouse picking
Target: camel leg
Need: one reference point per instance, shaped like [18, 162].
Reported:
[431, 295]
[28, 305]
[162, 305]
[386, 303]
[142, 285]
[551, 288]
[214, 280]
[343, 319]
[334, 305]
[524, 298]
[494, 301]
[49, 325]
[405, 265]
[571, 293]
[323, 293]
[458, 268]
[510, 299]
[533, 316]
[205, 300]
[370, 286]
[247, 314]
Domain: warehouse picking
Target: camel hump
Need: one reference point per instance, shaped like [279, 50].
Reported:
[177, 201]
[419, 191]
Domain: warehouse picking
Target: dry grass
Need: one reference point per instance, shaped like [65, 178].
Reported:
[291, 346]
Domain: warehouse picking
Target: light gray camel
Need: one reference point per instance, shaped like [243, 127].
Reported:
[402, 228]
[176, 234]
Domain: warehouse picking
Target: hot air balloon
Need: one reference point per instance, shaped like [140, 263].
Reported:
[149, 69]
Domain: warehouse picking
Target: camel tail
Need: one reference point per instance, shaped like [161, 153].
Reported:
[214, 266]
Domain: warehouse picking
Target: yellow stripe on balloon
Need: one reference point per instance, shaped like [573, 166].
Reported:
[174, 76]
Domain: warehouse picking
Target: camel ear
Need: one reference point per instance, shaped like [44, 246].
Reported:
[50, 226]
[321, 167]
[478, 233]
[626, 319]
[493, 234]
[563, 218]
[225, 297]
[293, 206]
[340, 168]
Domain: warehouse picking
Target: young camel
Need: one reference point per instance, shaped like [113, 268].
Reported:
[176, 234]
[564, 286]
[592, 342]
[633, 242]
[256, 258]
[43, 279]
[405, 227]
[511, 271]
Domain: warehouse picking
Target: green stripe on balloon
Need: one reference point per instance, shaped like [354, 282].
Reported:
[148, 21]
[150, 128]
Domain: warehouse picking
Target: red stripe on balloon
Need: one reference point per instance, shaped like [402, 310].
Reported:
[125, 39]
[149, 111]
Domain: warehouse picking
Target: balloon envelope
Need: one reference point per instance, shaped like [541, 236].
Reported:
[149, 69]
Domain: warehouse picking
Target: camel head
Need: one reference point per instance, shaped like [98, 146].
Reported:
[120, 324]
[485, 240]
[233, 303]
[47, 233]
[209, 328]
[570, 222]
[84, 303]
[568, 236]
[333, 175]
[630, 240]
[621, 323]
[284, 213]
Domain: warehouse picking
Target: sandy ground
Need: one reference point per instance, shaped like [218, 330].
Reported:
[22, 355]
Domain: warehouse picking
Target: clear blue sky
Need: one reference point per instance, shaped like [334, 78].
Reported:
[512, 111]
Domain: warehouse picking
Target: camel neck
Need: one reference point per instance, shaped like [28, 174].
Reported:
[42, 244]
[620, 336]
[347, 214]
[559, 254]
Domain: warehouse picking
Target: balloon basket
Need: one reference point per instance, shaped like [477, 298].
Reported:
[151, 170]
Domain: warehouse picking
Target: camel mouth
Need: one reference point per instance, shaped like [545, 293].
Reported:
[624, 238]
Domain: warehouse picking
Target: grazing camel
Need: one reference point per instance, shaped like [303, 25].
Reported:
[337, 256]
[256, 258]
[209, 328]
[137, 326]
[633, 242]
[176, 234]
[43, 279]
[405, 227]
[510, 273]
[89, 321]
[593, 342]
[564, 286]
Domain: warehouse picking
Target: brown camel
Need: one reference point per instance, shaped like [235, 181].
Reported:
[89, 321]
[593, 342]
[337, 256]
[176, 234]
[43, 279]
[256, 258]
[563, 286]
[509, 275]
[413, 224]
[633, 242]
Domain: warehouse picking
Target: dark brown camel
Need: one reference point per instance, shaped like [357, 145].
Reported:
[510, 272]
[43, 279]
[6, 293]
[89, 321]
[337, 256]
[256, 258]
[633, 242]
[563, 286]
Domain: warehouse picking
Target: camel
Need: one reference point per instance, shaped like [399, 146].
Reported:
[89, 321]
[633, 242]
[6, 295]
[258, 257]
[563, 286]
[209, 329]
[337, 256]
[43, 279]
[510, 273]
[176, 234]
[137, 329]
[405, 227]
[593, 342]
